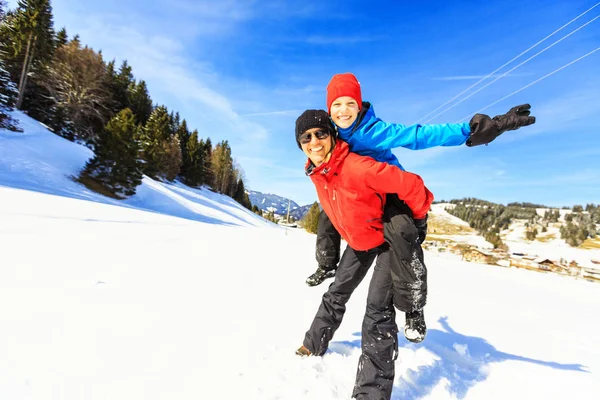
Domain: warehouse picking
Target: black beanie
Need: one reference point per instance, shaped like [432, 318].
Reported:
[313, 119]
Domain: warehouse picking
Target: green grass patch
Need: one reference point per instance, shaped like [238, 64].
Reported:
[546, 238]
[95, 186]
[440, 226]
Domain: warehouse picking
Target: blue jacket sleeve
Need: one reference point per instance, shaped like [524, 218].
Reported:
[381, 135]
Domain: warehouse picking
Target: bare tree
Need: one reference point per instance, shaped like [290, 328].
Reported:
[75, 79]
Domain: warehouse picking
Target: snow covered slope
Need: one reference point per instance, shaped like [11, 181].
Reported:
[43, 162]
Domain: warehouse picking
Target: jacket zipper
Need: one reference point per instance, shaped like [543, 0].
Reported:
[339, 211]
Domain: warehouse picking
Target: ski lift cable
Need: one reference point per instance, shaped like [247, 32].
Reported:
[505, 64]
[512, 69]
[528, 85]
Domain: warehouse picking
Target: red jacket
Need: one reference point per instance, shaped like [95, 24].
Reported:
[352, 188]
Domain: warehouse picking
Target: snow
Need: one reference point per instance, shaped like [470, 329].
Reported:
[179, 293]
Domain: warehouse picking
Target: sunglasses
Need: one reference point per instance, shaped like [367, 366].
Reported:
[306, 137]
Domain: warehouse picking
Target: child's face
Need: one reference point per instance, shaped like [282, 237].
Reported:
[344, 111]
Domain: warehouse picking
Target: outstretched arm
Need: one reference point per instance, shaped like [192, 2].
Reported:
[482, 129]
[381, 135]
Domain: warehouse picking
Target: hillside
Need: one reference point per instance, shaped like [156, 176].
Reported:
[41, 161]
[444, 227]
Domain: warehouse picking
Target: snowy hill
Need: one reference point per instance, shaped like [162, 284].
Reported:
[179, 293]
[41, 161]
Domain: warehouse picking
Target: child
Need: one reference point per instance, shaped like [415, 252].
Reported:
[368, 135]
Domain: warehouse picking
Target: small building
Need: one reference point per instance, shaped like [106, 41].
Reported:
[478, 255]
[524, 263]
[547, 264]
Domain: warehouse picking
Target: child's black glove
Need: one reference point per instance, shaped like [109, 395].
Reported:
[485, 129]
[421, 225]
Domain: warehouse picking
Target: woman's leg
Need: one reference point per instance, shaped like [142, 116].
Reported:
[352, 269]
[375, 375]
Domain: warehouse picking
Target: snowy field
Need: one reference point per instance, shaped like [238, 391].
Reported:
[182, 294]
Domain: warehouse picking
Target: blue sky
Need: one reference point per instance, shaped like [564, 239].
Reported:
[244, 71]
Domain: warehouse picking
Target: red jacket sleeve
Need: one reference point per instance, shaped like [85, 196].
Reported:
[387, 178]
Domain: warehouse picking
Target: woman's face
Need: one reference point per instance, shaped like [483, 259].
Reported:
[317, 150]
[344, 111]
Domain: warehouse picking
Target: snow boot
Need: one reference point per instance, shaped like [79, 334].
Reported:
[320, 275]
[415, 328]
[303, 352]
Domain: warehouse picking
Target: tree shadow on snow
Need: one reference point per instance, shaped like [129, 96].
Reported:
[463, 361]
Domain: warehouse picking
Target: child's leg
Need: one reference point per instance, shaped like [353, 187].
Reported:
[375, 374]
[409, 274]
[327, 251]
[351, 271]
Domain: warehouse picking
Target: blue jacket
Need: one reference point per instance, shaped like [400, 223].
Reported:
[370, 136]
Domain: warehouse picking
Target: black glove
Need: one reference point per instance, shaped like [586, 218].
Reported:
[421, 225]
[485, 129]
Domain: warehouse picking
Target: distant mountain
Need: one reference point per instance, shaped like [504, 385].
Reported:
[279, 205]
[300, 212]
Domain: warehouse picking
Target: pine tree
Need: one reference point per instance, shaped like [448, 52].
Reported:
[192, 169]
[140, 101]
[241, 196]
[174, 121]
[310, 222]
[183, 134]
[28, 36]
[209, 175]
[162, 159]
[171, 158]
[116, 166]
[120, 85]
[222, 166]
[61, 38]
[8, 98]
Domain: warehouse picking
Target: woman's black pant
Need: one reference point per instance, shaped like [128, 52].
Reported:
[375, 373]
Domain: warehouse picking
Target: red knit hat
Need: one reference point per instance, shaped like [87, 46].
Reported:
[343, 85]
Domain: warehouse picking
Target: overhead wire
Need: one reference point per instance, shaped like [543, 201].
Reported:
[528, 85]
[514, 68]
[505, 64]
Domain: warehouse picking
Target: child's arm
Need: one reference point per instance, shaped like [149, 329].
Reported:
[387, 178]
[382, 135]
[482, 129]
